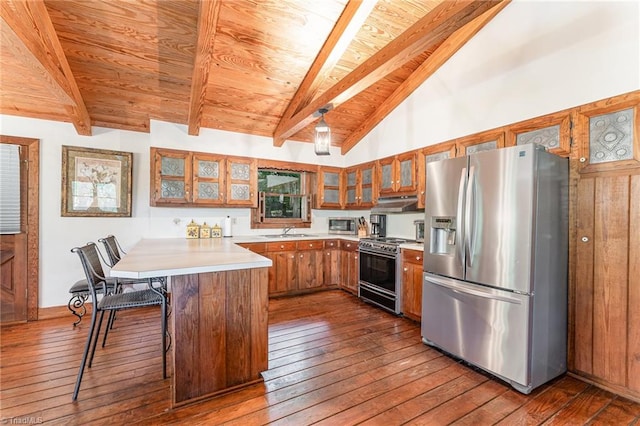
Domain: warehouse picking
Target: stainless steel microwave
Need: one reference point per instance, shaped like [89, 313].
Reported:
[343, 225]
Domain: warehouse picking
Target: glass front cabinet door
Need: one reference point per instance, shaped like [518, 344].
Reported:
[242, 182]
[170, 177]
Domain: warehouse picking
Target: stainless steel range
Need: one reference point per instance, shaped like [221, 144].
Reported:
[380, 279]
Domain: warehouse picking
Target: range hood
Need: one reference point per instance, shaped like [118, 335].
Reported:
[396, 205]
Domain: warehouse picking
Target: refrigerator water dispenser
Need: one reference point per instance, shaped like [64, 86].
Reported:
[443, 235]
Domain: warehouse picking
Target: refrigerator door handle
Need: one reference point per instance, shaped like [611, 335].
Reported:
[469, 228]
[459, 213]
[457, 288]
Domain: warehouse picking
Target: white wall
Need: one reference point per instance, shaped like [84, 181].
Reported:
[534, 58]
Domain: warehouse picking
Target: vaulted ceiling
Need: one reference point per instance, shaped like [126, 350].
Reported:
[261, 67]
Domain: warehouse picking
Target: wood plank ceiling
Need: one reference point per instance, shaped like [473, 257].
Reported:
[260, 67]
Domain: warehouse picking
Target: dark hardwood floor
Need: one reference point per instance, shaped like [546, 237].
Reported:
[333, 360]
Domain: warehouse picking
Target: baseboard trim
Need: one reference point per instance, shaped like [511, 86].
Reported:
[52, 312]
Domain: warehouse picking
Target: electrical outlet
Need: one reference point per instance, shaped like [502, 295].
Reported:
[234, 220]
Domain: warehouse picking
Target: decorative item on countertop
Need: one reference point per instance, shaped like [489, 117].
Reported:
[363, 229]
[216, 231]
[193, 230]
[226, 227]
[205, 231]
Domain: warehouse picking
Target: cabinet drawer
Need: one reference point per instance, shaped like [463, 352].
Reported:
[255, 247]
[310, 245]
[349, 245]
[331, 244]
[412, 256]
[281, 246]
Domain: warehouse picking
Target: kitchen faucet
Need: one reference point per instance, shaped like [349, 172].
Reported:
[287, 229]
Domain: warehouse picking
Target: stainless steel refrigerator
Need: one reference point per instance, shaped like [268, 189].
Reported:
[495, 262]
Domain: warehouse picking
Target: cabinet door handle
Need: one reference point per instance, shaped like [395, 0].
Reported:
[406, 269]
[418, 258]
[282, 246]
[301, 256]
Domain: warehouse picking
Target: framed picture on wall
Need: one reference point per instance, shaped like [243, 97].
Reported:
[96, 182]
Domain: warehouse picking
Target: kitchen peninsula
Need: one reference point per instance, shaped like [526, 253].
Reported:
[219, 311]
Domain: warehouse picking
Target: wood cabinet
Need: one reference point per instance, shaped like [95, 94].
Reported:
[605, 133]
[298, 266]
[398, 175]
[427, 155]
[310, 264]
[283, 272]
[478, 142]
[331, 263]
[604, 311]
[242, 182]
[184, 178]
[553, 131]
[330, 187]
[171, 177]
[361, 184]
[412, 283]
[606, 284]
[349, 266]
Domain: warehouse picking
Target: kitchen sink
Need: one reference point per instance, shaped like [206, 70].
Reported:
[288, 235]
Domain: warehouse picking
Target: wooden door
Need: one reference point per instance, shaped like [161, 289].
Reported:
[331, 270]
[19, 252]
[412, 284]
[330, 185]
[208, 180]
[310, 269]
[171, 177]
[606, 296]
[242, 182]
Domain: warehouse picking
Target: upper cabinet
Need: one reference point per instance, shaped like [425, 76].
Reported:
[605, 132]
[242, 182]
[360, 183]
[430, 154]
[171, 177]
[553, 131]
[208, 179]
[197, 179]
[398, 174]
[330, 187]
[478, 142]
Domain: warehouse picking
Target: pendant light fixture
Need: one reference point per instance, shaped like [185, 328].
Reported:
[322, 139]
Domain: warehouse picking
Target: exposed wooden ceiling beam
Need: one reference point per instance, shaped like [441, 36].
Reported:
[354, 15]
[442, 54]
[428, 32]
[207, 23]
[31, 24]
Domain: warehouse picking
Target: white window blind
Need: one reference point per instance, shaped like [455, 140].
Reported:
[9, 189]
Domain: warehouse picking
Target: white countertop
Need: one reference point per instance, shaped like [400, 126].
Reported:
[163, 257]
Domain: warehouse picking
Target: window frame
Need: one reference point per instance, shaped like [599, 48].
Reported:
[258, 221]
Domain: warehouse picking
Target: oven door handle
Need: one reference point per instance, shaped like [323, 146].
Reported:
[375, 253]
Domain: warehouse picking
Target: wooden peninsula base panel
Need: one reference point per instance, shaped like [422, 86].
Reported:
[219, 332]
[219, 311]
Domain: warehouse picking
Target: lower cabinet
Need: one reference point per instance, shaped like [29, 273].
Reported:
[412, 283]
[310, 264]
[331, 263]
[349, 266]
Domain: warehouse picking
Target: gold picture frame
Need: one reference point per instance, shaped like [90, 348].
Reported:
[96, 182]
